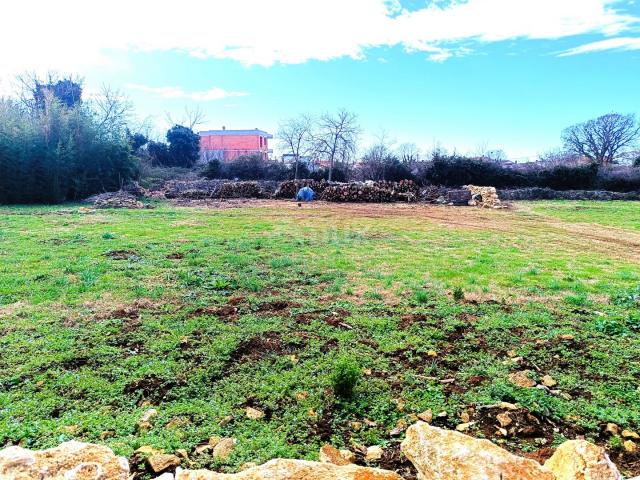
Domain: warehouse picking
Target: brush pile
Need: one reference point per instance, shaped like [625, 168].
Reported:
[119, 199]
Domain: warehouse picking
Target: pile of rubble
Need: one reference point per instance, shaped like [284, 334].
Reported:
[435, 453]
[485, 197]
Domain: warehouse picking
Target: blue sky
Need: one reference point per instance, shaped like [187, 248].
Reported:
[498, 74]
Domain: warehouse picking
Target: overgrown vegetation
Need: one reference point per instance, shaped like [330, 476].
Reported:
[200, 313]
[55, 147]
[345, 375]
[448, 170]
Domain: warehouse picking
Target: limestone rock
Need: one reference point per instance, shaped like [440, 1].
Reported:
[348, 455]
[223, 448]
[579, 459]
[426, 416]
[281, 469]
[147, 450]
[373, 453]
[254, 413]
[149, 415]
[486, 197]
[70, 460]
[504, 419]
[440, 454]
[522, 379]
[202, 449]
[330, 454]
[612, 429]
[549, 381]
[630, 447]
[226, 421]
[463, 427]
[162, 461]
[165, 476]
[630, 434]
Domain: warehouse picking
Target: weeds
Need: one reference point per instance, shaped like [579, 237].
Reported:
[346, 374]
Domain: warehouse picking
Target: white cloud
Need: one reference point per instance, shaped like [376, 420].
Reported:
[620, 43]
[70, 35]
[214, 93]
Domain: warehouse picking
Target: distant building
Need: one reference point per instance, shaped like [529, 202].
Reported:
[226, 145]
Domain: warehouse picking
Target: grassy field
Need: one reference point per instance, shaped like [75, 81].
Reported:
[201, 312]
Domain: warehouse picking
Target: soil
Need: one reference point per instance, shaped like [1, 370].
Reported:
[122, 254]
[152, 388]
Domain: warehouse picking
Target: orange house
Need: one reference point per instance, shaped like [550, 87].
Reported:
[228, 145]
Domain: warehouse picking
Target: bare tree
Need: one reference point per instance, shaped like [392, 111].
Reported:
[336, 137]
[376, 157]
[295, 137]
[190, 119]
[409, 153]
[113, 110]
[602, 139]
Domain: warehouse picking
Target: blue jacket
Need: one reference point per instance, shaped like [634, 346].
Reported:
[305, 194]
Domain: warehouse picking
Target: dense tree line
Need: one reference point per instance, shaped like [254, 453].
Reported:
[181, 150]
[55, 147]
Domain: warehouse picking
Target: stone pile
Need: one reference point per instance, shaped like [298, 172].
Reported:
[436, 454]
[485, 197]
[537, 193]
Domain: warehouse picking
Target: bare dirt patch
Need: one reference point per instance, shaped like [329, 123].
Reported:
[258, 347]
[122, 254]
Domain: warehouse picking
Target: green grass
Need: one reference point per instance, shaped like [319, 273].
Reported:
[201, 312]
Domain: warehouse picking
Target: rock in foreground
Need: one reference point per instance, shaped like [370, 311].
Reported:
[441, 454]
[68, 461]
[579, 459]
[281, 469]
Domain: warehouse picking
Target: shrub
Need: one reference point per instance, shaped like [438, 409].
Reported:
[346, 374]
[568, 176]
[458, 294]
[610, 327]
[339, 174]
[619, 178]
[60, 153]
[213, 169]
[158, 153]
[253, 168]
[184, 146]
[455, 171]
